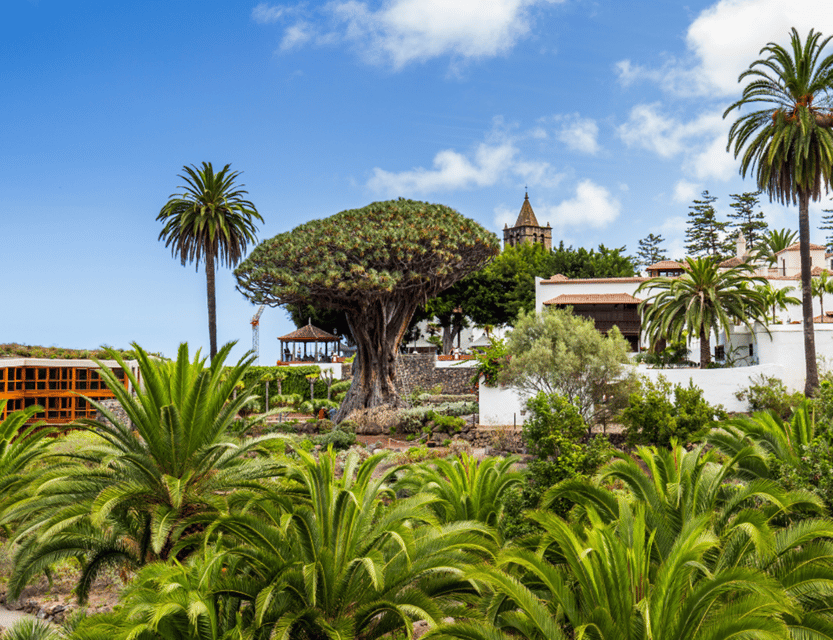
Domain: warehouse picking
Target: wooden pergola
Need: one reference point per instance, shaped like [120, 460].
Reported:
[291, 350]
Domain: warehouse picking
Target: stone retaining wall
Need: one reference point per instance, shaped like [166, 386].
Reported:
[420, 370]
[114, 406]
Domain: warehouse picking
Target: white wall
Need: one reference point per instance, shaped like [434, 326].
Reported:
[719, 385]
[500, 406]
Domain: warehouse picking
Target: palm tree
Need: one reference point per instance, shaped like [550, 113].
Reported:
[789, 144]
[210, 221]
[779, 298]
[127, 498]
[702, 301]
[819, 287]
[777, 240]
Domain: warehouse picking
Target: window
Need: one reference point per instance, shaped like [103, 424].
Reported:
[720, 352]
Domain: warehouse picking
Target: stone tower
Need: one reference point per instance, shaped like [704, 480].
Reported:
[527, 229]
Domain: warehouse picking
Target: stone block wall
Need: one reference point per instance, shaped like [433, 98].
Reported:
[113, 406]
[420, 370]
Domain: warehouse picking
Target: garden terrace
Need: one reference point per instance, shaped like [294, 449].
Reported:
[62, 387]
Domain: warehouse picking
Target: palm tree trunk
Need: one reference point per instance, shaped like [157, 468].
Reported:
[811, 381]
[705, 348]
[212, 301]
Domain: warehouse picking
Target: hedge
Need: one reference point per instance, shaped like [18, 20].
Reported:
[295, 382]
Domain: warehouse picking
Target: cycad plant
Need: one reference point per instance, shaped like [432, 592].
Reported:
[468, 488]
[21, 446]
[349, 561]
[604, 582]
[126, 499]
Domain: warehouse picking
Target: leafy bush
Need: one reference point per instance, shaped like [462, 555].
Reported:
[490, 362]
[447, 423]
[768, 393]
[339, 437]
[553, 427]
[340, 387]
[286, 400]
[384, 417]
[651, 416]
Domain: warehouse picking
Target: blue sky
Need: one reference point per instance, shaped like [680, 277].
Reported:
[610, 112]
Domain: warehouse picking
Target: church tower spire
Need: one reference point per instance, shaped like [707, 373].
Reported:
[527, 230]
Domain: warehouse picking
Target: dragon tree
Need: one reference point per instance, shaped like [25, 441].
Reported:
[377, 264]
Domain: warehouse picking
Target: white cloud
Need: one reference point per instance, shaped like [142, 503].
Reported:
[725, 39]
[685, 191]
[295, 36]
[650, 128]
[593, 206]
[490, 163]
[264, 13]
[404, 31]
[579, 134]
[505, 217]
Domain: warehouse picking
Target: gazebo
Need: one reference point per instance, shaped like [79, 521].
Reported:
[291, 344]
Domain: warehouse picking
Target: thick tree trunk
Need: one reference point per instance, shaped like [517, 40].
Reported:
[811, 371]
[705, 348]
[212, 302]
[377, 330]
[450, 334]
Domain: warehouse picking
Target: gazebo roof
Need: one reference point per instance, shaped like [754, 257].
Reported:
[309, 333]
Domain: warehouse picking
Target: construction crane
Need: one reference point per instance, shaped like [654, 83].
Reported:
[256, 333]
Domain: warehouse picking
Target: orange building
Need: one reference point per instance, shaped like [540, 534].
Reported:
[62, 387]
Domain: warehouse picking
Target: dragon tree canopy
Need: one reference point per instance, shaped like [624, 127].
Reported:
[377, 264]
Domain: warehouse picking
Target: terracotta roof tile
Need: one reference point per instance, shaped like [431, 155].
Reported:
[665, 264]
[731, 262]
[795, 247]
[594, 298]
[309, 333]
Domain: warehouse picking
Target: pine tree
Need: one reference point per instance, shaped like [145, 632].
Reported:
[649, 251]
[705, 235]
[746, 220]
[827, 225]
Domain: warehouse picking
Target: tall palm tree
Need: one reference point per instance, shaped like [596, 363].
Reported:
[702, 301]
[209, 221]
[789, 143]
[821, 286]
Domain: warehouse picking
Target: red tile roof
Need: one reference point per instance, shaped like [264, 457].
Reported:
[731, 262]
[665, 265]
[594, 298]
[795, 246]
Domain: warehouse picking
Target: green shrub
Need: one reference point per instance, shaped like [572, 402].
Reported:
[553, 427]
[295, 382]
[447, 423]
[285, 400]
[338, 437]
[768, 393]
[340, 387]
[652, 418]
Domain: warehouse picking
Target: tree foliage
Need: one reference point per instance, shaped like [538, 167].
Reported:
[649, 251]
[705, 235]
[559, 353]
[377, 265]
[744, 219]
